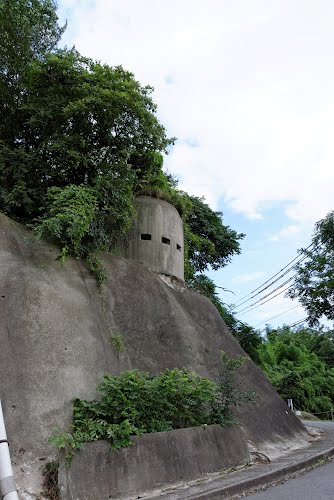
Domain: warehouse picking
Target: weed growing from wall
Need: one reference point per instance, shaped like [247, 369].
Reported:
[50, 481]
[118, 343]
[228, 395]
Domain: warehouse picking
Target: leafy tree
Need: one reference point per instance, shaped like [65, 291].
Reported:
[82, 126]
[314, 283]
[28, 30]
[209, 242]
[322, 345]
[320, 342]
[82, 123]
[74, 130]
[297, 372]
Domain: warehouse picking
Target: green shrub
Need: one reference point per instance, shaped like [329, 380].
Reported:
[135, 403]
[69, 216]
[69, 222]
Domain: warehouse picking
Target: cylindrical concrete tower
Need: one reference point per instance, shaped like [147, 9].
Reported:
[158, 240]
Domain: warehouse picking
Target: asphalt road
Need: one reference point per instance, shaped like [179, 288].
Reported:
[317, 484]
[320, 425]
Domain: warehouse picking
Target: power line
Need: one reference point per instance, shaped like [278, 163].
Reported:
[250, 307]
[274, 276]
[270, 284]
[268, 294]
[277, 315]
[279, 293]
[297, 322]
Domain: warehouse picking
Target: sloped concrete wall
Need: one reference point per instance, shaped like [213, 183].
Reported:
[154, 460]
[162, 251]
[55, 331]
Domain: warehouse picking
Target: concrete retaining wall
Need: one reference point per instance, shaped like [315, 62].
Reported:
[56, 328]
[154, 460]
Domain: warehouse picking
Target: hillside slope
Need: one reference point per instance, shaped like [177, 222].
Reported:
[55, 329]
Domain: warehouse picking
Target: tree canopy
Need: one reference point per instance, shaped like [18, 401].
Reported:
[81, 123]
[296, 371]
[314, 282]
[28, 30]
[82, 127]
[79, 140]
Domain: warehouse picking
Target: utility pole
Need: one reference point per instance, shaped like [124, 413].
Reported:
[7, 484]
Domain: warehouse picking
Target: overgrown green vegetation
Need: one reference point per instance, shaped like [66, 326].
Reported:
[210, 244]
[75, 151]
[298, 362]
[135, 403]
[79, 140]
[300, 366]
[314, 281]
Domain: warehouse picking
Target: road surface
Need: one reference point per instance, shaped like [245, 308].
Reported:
[317, 484]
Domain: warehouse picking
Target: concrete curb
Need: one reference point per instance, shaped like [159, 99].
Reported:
[247, 480]
[265, 479]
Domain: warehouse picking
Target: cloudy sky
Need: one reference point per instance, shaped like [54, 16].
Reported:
[247, 87]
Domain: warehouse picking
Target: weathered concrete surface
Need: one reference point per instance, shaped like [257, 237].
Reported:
[55, 329]
[259, 475]
[154, 460]
[164, 252]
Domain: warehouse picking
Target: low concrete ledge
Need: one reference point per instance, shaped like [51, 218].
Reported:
[155, 460]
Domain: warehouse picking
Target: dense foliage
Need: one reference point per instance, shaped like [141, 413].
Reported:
[79, 140]
[248, 337]
[28, 30]
[300, 366]
[314, 283]
[135, 403]
[82, 124]
[298, 362]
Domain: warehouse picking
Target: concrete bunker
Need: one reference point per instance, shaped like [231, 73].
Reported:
[157, 241]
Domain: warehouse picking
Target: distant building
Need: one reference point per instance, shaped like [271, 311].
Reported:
[157, 240]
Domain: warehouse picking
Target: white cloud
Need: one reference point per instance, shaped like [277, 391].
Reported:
[245, 278]
[250, 82]
[286, 232]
